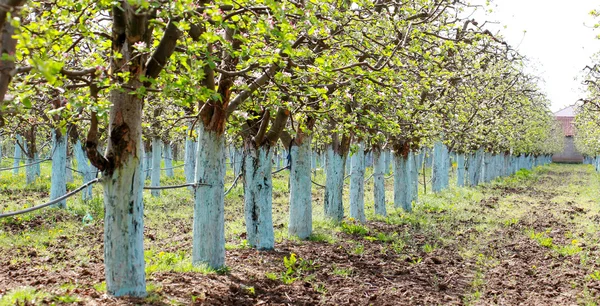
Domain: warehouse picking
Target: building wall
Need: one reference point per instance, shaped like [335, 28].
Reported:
[570, 154]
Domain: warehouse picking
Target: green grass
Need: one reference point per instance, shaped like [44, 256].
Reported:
[23, 295]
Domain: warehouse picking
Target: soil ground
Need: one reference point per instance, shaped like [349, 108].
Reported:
[530, 239]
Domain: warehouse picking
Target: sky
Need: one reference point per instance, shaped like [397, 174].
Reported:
[557, 36]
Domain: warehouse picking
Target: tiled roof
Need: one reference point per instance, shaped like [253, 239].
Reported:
[568, 111]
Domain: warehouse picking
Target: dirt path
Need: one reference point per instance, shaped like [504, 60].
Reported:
[529, 240]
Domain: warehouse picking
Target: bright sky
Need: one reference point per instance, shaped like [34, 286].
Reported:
[557, 36]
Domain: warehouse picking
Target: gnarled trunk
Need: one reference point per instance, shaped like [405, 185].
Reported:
[258, 196]
[123, 202]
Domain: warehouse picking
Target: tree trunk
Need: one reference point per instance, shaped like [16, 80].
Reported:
[69, 171]
[148, 163]
[357, 184]
[168, 159]
[402, 178]
[334, 184]
[84, 168]
[258, 195]
[209, 219]
[18, 154]
[300, 189]
[414, 176]
[379, 169]
[439, 179]
[123, 201]
[58, 181]
[156, 161]
[189, 167]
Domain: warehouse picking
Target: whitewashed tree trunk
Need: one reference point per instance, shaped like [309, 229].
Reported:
[209, 219]
[168, 160]
[357, 188]
[189, 167]
[84, 168]
[18, 154]
[402, 187]
[123, 198]
[258, 195]
[460, 170]
[58, 181]
[156, 165]
[439, 179]
[300, 190]
[69, 172]
[379, 169]
[334, 185]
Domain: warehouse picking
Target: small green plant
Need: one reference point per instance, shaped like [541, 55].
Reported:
[345, 272]
[294, 267]
[354, 229]
[320, 288]
[541, 238]
[398, 246]
[23, 296]
[271, 275]
[66, 298]
[595, 275]
[358, 249]
[428, 248]
[251, 290]
[511, 222]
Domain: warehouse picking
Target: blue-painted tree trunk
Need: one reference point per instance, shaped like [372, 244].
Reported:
[68, 171]
[300, 190]
[379, 170]
[124, 229]
[30, 170]
[209, 218]
[258, 195]
[428, 158]
[357, 182]
[18, 154]
[388, 161]
[460, 170]
[84, 169]
[239, 157]
[347, 165]
[38, 166]
[334, 185]
[156, 165]
[168, 159]
[487, 167]
[148, 164]
[189, 167]
[402, 186]
[440, 174]
[414, 176]
[58, 180]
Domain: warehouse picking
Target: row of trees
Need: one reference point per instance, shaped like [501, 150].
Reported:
[344, 77]
[587, 120]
